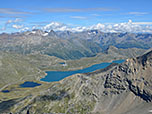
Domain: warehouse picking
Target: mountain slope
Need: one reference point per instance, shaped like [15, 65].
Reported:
[118, 89]
[16, 68]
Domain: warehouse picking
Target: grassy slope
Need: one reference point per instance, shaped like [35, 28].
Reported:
[15, 68]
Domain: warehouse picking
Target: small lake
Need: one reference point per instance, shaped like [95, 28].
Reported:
[62, 63]
[59, 75]
[5, 91]
[29, 84]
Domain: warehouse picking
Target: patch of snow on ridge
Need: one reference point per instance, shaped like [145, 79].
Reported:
[45, 34]
[33, 32]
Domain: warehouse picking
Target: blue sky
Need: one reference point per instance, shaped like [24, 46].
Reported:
[72, 12]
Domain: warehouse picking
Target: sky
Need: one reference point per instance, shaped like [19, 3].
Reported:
[24, 14]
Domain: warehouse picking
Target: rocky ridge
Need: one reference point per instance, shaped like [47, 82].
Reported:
[71, 45]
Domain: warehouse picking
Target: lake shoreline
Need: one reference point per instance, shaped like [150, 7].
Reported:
[53, 76]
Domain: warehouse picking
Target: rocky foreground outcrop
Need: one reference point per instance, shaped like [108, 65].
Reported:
[118, 89]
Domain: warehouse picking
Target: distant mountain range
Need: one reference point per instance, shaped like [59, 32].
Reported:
[71, 45]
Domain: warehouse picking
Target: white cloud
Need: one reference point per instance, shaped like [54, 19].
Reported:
[25, 29]
[36, 27]
[95, 14]
[78, 17]
[78, 29]
[55, 26]
[142, 23]
[138, 13]
[12, 11]
[63, 10]
[97, 26]
[129, 26]
[17, 26]
[14, 21]
[18, 20]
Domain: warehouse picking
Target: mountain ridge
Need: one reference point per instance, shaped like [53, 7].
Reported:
[69, 45]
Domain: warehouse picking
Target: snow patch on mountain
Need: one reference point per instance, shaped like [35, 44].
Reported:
[44, 34]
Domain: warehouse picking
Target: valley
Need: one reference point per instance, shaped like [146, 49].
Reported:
[123, 85]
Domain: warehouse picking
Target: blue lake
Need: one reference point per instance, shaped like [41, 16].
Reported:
[62, 63]
[5, 91]
[29, 84]
[59, 75]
